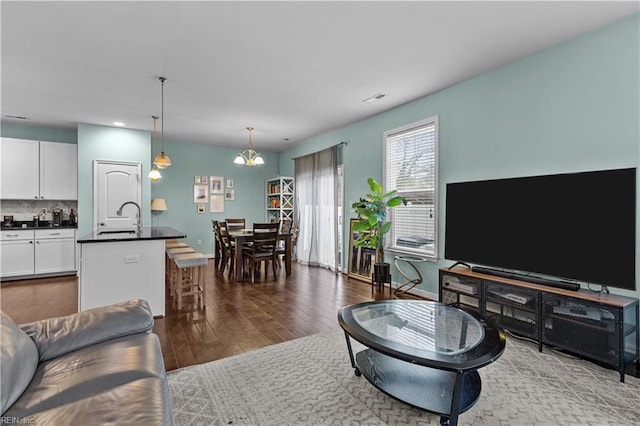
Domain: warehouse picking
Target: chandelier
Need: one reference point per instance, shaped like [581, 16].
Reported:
[162, 160]
[154, 174]
[249, 156]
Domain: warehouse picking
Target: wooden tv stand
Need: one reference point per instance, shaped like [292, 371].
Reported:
[600, 327]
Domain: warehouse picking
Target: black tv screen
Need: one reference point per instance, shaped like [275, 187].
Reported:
[575, 226]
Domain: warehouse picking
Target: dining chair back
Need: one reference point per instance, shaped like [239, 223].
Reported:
[217, 243]
[227, 249]
[263, 248]
[235, 224]
[285, 228]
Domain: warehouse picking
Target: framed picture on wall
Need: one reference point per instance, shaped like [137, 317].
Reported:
[200, 194]
[217, 184]
[229, 183]
[216, 205]
[230, 194]
[200, 208]
[196, 180]
[205, 179]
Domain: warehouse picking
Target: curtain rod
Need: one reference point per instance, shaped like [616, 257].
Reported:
[332, 146]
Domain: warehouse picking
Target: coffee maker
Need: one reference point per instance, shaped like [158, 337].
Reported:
[56, 217]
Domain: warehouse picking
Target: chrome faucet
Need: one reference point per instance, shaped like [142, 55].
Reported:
[36, 218]
[139, 221]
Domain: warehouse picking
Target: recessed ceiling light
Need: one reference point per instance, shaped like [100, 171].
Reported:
[374, 98]
[118, 123]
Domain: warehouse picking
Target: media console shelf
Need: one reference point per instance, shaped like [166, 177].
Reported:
[600, 327]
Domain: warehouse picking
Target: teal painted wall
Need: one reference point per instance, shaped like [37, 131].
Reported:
[114, 144]
[572, 107]
[176, 187]
[20, 131]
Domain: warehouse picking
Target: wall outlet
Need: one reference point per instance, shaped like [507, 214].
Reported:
[132, 258]
[199, 242]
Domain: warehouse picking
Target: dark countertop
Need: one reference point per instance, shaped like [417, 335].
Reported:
[148, 233]
[44, 224]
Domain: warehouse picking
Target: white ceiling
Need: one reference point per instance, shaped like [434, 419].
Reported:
[292, 70]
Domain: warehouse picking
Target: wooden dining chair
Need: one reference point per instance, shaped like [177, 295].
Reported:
[235, 224]
[227, 249]
[263, 249]
[285, 228]
[217, 244]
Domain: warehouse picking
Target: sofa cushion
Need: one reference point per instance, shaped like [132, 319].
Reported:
[58, 336]
[89, 372]
[140, 402]
[18, 361]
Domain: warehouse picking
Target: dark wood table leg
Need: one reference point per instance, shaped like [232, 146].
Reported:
[238, 259]
[287, 254]
[217, 253]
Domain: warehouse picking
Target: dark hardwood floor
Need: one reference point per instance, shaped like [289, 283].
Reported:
[239, 317]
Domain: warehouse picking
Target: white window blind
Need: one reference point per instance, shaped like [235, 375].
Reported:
[410, 164]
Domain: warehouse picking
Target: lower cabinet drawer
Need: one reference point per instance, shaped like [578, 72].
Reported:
[55, 233]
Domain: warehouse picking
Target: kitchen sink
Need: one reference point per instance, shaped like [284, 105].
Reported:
[121, 231]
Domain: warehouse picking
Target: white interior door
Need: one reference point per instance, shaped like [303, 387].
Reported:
[114, 184]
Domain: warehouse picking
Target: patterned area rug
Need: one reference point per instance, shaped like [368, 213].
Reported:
[309, 381]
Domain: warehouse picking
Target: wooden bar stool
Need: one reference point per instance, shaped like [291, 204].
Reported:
[170, 267]
[190, 277]
[171, 244]
[175, 244]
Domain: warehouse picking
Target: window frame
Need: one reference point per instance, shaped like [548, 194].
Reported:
[433, 256]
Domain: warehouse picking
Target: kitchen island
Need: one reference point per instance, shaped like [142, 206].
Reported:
[118, 266]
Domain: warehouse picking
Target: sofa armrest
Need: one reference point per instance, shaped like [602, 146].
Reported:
[58, 336]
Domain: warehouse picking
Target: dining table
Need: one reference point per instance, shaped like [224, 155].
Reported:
[245, 236]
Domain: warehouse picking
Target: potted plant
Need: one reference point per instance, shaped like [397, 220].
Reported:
[372, 223]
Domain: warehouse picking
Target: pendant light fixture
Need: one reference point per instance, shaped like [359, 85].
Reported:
[162, 160]
[154, 174]
[249, 156]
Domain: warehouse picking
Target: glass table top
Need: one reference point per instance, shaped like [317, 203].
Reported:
[427, 326]
[424, 332]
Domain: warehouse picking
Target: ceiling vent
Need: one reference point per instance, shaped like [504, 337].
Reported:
[374, 98]
[16, 117]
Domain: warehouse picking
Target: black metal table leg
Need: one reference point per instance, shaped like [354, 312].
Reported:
[457, 397]
[351, 357]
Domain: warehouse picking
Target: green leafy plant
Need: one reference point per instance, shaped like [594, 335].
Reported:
[372, 221]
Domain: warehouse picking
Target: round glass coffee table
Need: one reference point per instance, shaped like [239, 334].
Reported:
[423, 353]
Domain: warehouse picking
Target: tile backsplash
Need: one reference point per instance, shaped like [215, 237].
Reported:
[23, 210]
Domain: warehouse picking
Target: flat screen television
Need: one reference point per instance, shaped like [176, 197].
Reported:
[575, 226]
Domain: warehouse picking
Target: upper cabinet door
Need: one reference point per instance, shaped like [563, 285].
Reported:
[19, 175]
[58, 171]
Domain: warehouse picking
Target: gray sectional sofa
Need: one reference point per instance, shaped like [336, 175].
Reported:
[100, 366]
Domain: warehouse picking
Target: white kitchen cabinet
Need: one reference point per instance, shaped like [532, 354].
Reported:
[43, 251]
[58, 171]
[55, 251]
[17, 253]
[38, 170]
[20, 174]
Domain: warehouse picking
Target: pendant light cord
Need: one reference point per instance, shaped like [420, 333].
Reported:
[153, 137]
[162, 80]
